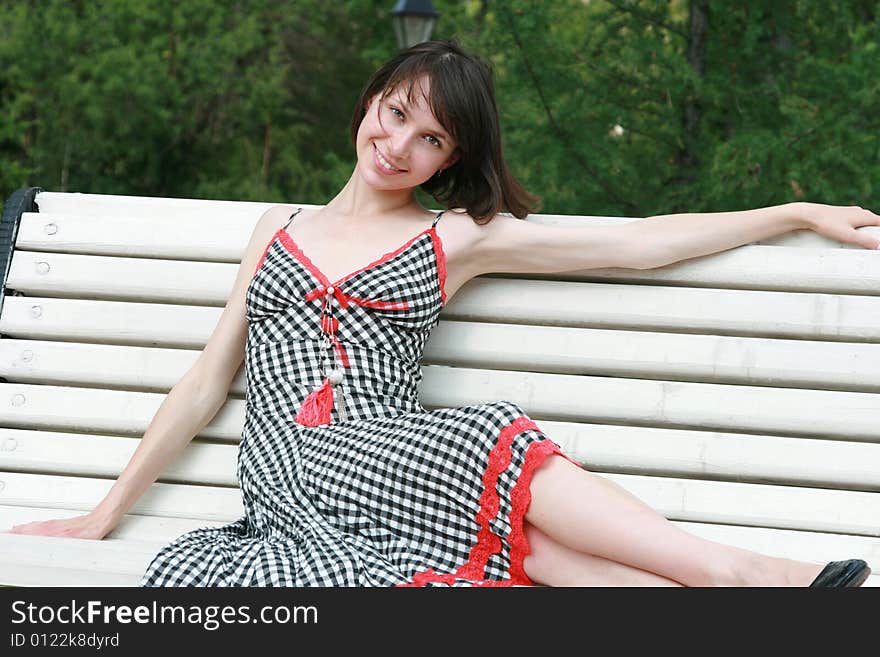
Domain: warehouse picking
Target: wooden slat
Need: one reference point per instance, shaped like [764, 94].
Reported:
[220, 239]
[635, 354]
[52, 561]
[600, 448]
[49, 452]
[825, 272]
[816, 547]
[96, 410]
[151, 369]
[530, 303]
[605, 448]
[759, 505]
[131, 279]
[763, 505]
[605, 400]
[792, 544]
[134, 527]
[819, 364]
[662, 308]
[209, 213]
[22, 575]
[108, 322]
[541, 303]
[669, 404]
[84, 494]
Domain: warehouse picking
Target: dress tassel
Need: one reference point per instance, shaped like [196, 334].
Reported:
[317, 407]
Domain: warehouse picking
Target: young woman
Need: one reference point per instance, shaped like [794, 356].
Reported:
[345, 478]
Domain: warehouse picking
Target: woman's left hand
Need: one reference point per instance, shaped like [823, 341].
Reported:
[840, 222]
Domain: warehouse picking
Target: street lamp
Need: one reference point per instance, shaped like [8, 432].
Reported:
[413, 21]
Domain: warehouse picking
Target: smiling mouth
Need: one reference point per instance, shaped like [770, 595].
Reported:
[382, 159]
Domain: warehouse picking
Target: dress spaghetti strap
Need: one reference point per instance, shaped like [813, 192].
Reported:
[292, 216]
[437, 218]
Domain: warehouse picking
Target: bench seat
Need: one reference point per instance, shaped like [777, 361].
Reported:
[734, 393]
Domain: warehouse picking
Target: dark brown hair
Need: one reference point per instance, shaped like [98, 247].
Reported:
[463, 101]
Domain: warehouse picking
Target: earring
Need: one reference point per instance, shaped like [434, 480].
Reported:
[439, 171]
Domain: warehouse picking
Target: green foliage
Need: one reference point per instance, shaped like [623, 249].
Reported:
[608, 107]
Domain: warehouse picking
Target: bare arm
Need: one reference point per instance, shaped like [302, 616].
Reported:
[188, 407]
[511, 245]
[675, 237]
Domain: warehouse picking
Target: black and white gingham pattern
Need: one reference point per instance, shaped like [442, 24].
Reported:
[393, 491]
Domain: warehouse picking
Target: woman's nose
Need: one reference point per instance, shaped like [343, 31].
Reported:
[397, 156]
[402, 143]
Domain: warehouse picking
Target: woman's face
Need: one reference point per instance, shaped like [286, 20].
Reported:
[409, 138]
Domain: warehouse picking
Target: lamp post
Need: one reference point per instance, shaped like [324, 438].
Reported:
[414, 21]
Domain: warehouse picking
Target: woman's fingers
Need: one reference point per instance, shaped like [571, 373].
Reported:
[34, 527]
[77, 527]
[842, 224]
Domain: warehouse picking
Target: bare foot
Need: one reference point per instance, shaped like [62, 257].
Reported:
[754, 569]
[802, 573]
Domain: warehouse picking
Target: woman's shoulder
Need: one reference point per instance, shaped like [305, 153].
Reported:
[461, 222]
[275, 217]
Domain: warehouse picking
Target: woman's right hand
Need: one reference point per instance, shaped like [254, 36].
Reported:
[86, 526]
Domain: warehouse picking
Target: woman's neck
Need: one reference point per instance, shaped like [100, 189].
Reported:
[357, 199]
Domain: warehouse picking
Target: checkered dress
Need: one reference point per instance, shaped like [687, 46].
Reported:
[382, 492]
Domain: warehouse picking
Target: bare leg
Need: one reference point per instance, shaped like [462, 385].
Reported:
[592, 514]
[553, 564]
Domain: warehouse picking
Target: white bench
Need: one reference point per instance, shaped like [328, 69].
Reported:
[734, 393]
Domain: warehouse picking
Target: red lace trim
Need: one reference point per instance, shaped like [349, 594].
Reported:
[440, 256]
[291, 245]
[430, 576]
[263, 257]
[521, 497]
[288, 243]
[489, 543]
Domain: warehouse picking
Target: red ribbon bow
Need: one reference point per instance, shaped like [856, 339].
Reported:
[318, 405]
